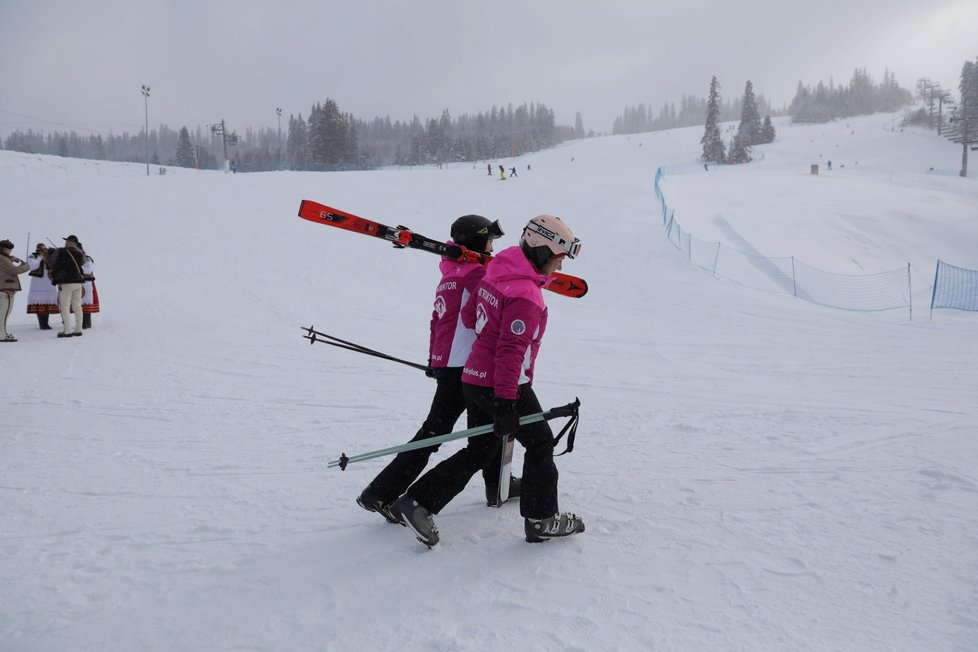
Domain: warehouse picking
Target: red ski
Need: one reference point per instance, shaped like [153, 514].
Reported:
[402, 237]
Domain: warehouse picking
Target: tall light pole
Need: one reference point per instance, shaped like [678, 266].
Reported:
[279, 113]
[144, 89]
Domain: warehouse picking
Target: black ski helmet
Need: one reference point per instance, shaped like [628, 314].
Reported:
[474, 232]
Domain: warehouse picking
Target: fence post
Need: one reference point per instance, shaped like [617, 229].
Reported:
[909, 292]
[933, 294]
[794, 281]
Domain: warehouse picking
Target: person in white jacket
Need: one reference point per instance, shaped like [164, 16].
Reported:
[90, 302]
[42, 295]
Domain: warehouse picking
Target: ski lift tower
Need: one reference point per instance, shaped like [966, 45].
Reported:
[220, 129]
[962, 128]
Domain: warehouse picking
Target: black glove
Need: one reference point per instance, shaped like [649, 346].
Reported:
[506, 420]
[430, 371]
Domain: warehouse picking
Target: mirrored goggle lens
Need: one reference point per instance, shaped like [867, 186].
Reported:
[494, 231]
[574, 250]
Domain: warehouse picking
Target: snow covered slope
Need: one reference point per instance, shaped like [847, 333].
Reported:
[756, 473]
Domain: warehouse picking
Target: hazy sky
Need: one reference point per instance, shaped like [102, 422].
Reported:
[79, 64]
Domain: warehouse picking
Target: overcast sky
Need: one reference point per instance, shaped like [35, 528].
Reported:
[71, 64]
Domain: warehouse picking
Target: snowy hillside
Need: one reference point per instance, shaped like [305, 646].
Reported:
[755, 472]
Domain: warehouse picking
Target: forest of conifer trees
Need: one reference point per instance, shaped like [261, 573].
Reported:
[329, 139]
[326, 139]
[862, 96]
[691, 113]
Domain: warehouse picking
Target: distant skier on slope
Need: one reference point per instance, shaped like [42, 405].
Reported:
[509, 316]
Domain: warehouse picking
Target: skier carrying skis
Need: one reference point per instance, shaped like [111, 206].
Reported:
[509, 316]
[449, 347]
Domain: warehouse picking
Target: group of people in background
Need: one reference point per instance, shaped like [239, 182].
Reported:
[502, 170]
[62, 282]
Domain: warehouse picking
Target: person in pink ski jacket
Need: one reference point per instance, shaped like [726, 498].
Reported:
[449, 346]
[509, 318]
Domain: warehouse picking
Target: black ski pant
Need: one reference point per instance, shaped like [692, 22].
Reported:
[447, 406]
[538, 493]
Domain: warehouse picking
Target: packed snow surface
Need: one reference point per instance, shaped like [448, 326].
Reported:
[755, 472]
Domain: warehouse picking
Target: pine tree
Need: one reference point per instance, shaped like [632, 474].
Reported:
[314, 138]
[335, 135]
[968, 112]
[295, 144]
[185, 151]
[767, 131]
[750, 120]
[713, 148]
[739, 149]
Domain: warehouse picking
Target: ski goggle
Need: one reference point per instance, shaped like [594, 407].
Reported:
[571, 249]
[494, 231]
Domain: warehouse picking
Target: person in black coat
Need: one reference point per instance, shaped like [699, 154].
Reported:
[66, 273]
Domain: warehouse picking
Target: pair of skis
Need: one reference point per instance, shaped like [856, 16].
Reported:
[404, 238]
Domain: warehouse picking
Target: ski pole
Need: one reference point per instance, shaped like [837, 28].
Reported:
[376, 354]
[569, 410]
[311, 331]
[314, 336]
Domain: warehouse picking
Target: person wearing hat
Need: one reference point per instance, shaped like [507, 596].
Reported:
[66, 273]
[10, 267]
[42, 295]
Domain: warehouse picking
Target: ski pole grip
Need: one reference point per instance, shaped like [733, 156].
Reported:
[569, 410]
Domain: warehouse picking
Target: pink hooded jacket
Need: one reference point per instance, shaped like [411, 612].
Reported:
[450, 341]
[509, 317]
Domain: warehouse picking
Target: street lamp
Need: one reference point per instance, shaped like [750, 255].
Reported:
[279, 113]
[144, 89]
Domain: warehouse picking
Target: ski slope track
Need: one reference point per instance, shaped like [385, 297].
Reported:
[756, 472]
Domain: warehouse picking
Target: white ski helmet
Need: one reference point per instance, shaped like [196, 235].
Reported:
[546, 236]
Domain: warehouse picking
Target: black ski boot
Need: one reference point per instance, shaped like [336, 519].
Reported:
[412, 515]
[515, 485]
[369, 501]
[552, 527]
